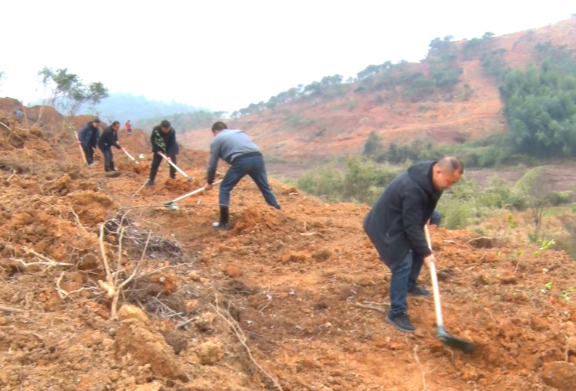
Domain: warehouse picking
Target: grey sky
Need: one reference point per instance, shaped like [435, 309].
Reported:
[224, 55]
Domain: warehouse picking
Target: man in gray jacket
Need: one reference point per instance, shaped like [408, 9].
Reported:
[235, 147]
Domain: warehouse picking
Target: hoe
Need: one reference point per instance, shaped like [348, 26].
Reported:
[172, 204]
[130, 156]
[189, 178]
[443, 336]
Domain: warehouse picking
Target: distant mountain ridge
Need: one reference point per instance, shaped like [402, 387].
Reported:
[450, 97]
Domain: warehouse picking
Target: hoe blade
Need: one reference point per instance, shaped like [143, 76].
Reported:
[457, 343]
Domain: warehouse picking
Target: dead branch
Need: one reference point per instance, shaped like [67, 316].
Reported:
[78, 220]
[104, 259]
[10, 177]
[185, 323]
[119, 255]
[371, 307]
[47, 261]
[8, 309]
[114, 308]
[242, 339]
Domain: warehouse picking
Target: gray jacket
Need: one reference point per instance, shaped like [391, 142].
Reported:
[228, 145]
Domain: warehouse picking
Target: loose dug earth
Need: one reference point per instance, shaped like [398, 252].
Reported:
[285, 284]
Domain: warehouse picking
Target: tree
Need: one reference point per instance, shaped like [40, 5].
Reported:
[373, 144]
[535, 186]
[68, 92]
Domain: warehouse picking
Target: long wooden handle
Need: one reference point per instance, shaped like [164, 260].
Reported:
[130, 156]
[194, 192]
[437, 305]
[173, 165]
[81, 149]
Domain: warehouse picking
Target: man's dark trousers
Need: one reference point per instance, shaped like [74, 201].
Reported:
[89, 153]
[404, 278]
[156, 163]
[252, 165]
[108, 159]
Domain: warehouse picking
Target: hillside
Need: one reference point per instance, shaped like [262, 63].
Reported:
[320, 127]
[295, 287]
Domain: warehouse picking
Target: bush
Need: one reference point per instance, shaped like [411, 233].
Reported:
[362, 181]
[326, 182]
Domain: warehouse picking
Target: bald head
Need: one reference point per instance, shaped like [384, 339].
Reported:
[450, 165]
[446, 172]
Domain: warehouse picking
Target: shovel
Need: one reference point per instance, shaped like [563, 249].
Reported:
[172, 204]
[176, 167]
[81, 150]
[130, 156]
[443, 336]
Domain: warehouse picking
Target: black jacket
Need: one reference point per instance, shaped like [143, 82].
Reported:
[164, 142]
[395, 224]
[108, 139]
[88, 135]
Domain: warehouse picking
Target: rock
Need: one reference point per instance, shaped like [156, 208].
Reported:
[210, 353]
[193, 275]
[145, 346]
[484, 279]
[560, 374]
[469, 373]
[232, 271]
[107, 343]
[205, 322]
[131, 312]
[482, 242]
[508, 279]
[147, 387]
[177, 340]
[571, 345]
[538, 324]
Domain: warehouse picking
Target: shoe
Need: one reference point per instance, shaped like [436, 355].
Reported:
[223, 226]
[150, 183]
[418, 291]
[401, 322]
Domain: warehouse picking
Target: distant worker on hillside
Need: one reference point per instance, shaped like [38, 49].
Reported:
[109, 139]
[163, 139]
[128, 127]
[395, 225]
[235, 147]
[88, 138]
[19, 115]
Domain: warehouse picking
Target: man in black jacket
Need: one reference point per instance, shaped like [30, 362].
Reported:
[395, 225]
[109, 139]
[163, 139]
[88, 139]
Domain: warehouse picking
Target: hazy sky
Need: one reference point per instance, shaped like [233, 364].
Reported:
[224, 55]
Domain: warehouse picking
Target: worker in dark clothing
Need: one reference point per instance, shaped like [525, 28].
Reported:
[395, 225]
[108, 140]
[19, 115]
[235, 147]
[163, 139]
[88, 138]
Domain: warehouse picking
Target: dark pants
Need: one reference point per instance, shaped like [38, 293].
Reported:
[89, 153]
[404, 278]
[108, 159]
[242, 166]
[156, 163]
